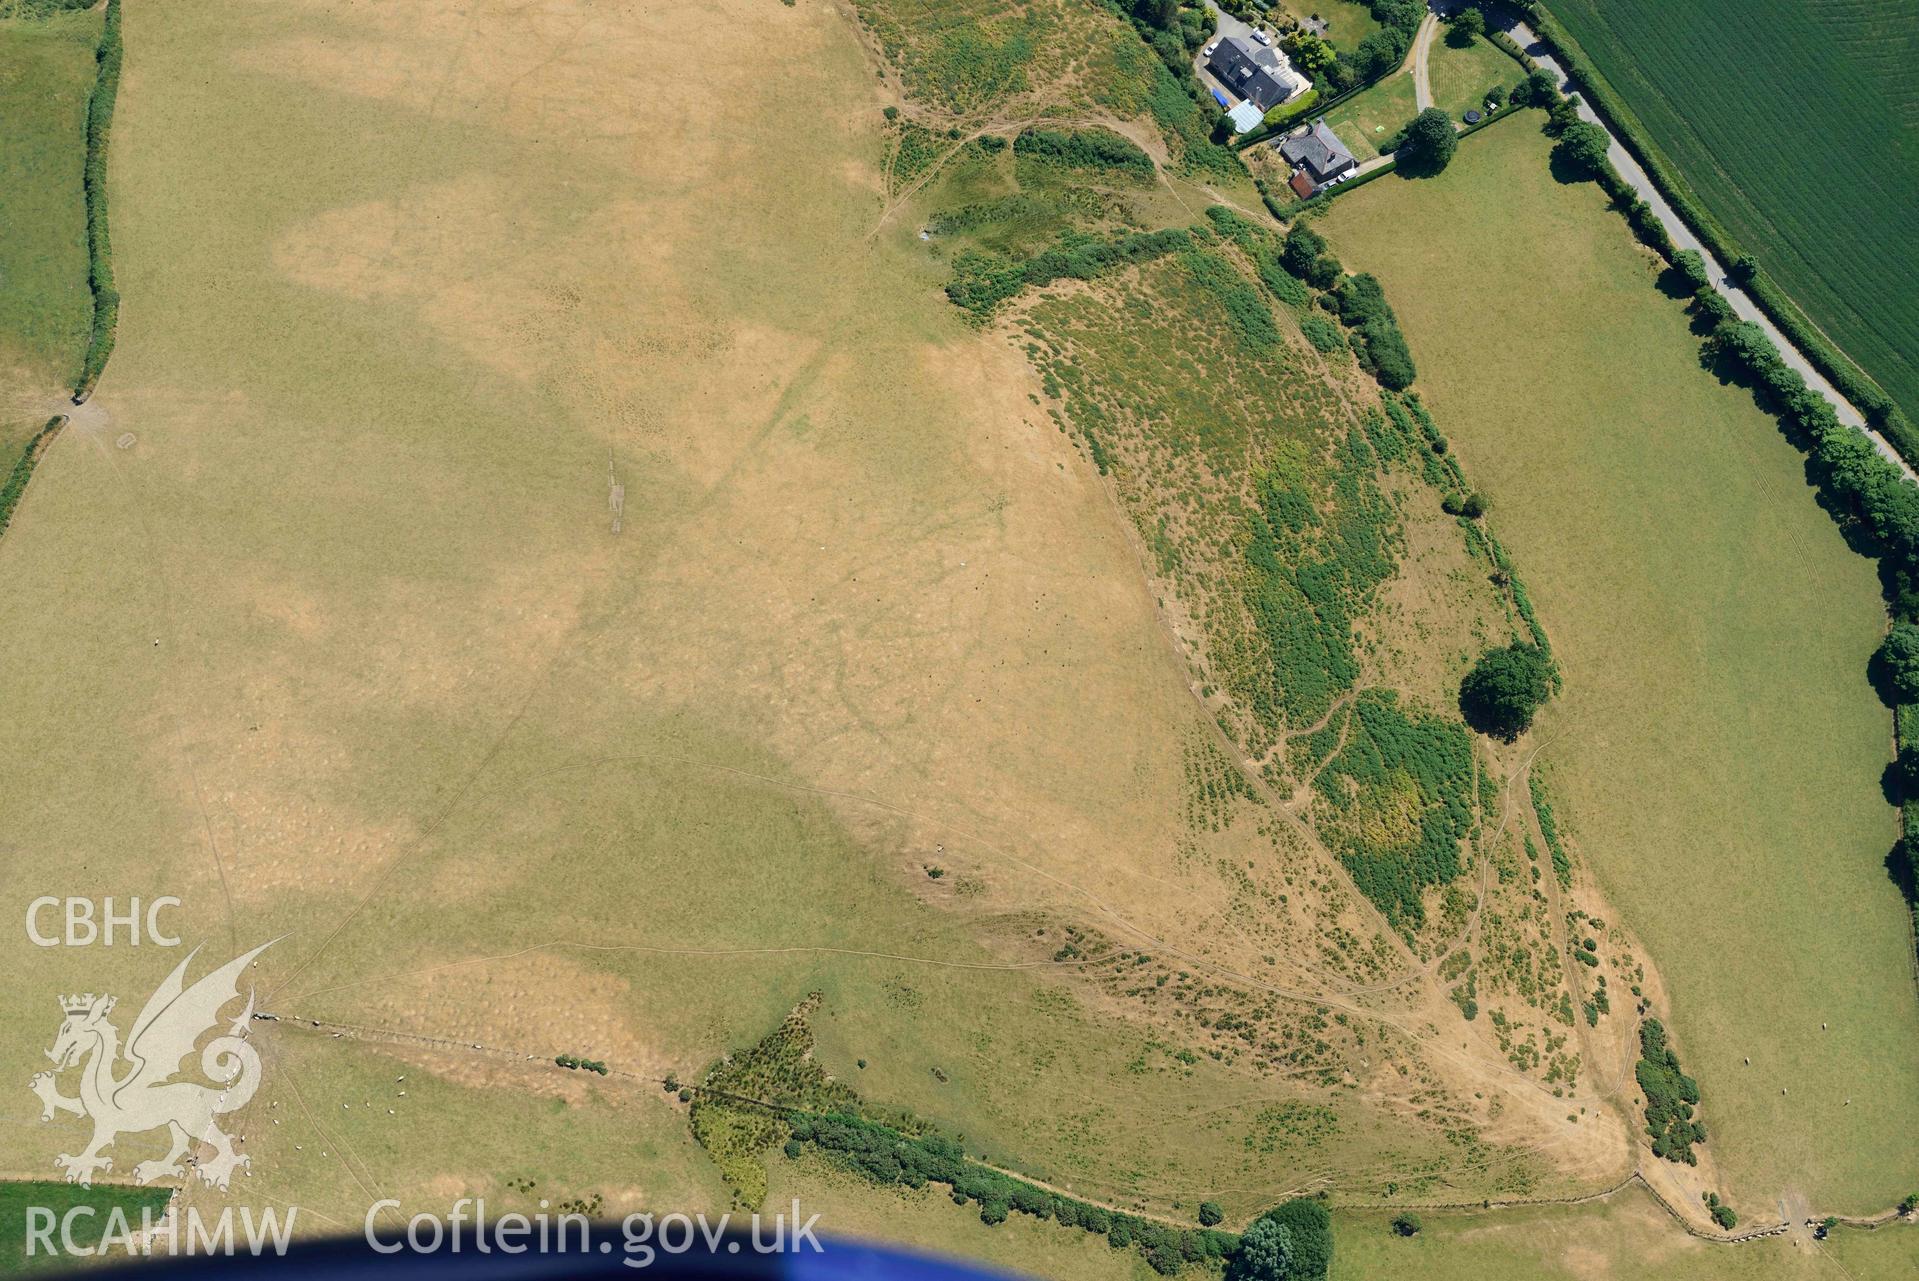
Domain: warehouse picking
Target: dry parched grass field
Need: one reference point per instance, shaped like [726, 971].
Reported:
[928, 665]
[350, 655]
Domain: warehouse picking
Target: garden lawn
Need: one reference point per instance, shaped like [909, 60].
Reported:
[1367, 119]
[1717, 747]
[1347, 23]
[1461, 77]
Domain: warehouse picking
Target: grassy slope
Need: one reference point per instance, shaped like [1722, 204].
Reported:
[1625, 1239]
[1717, 744]
[46, 72]
[1739, 104]
[424, 697]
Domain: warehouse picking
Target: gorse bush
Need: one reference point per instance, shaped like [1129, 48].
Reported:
[1084, 149]
[1247, 315]
[1671, 1096]
[1322, 333]
[1308, 576]
[1398, 801]
[982, 281]
[1549, 828]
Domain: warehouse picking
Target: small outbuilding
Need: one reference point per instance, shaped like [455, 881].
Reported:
[1245, 117]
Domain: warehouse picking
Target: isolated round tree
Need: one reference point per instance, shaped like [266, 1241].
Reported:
[1466, 25]
[1505, 688]
[1210, 1213]
[1896, 665]
[1584, 144]
[1430, 141]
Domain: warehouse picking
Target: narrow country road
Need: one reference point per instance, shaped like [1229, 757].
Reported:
[1682, 237]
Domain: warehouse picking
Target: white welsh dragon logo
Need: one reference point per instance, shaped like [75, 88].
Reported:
[145, 1096]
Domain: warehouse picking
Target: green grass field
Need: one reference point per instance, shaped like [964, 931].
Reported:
[1461, 76]
[1367, 119]
[17, 1199]
[1347, 21]
[1798, 132]
[1717, 746]
[46, 72]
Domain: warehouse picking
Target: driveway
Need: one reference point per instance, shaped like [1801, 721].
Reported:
[1224, 24]
[1682, 237]
[1422, 45]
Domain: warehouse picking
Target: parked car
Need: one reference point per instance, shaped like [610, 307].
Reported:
[1208, 50]
[1262, 37]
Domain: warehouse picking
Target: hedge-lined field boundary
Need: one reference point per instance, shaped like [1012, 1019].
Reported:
[15, 484]
[106, 299]
[1834, 364]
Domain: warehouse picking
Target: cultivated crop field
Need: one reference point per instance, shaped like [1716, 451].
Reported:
[1798, 132]
[1717, 747]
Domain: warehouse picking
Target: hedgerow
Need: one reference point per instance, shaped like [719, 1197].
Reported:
[1838, 368]
[773, 1094]
[106, 300]
[22, 470]
[887, 1155]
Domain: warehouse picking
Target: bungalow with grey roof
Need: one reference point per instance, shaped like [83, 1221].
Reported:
[1319, 154]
